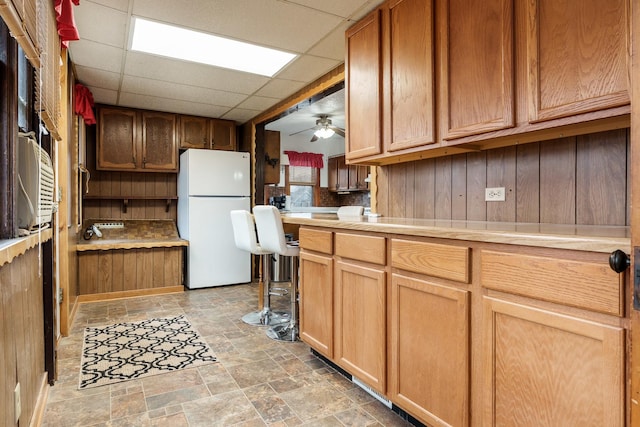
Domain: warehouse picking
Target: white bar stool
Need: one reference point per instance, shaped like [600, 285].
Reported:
[272, 238]
[244, 233]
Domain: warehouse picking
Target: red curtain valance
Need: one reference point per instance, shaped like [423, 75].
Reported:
[84, 104]
[66, 23]
[305, 159]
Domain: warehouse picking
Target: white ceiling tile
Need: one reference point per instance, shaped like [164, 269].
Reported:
[147, 102]
[104, 96]
[308, 68]
[110, 28]
[333, 45]
[98, 78]
[96, 55]
[259, 103]
[280, 88]
[182, 92]
[122, 5]
[262, 25]
[342, 8]
[240, 115]
[192, 74]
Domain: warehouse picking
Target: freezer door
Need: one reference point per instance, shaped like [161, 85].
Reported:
[212, 256]
[214, 173]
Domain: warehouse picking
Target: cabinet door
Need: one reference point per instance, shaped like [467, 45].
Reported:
[272, 151]
[429, 369]
[117, 139]
[363, 78]
[223, 135]
[409, 95]
[159, 148]
[577, 52]
[343, 174]
[332, 170]
[546, 369]
[194, 132]
[476, 74]
[360, 322]
[316, 302]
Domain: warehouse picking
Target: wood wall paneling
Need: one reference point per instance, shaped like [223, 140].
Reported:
[21, 336]
[573, 180]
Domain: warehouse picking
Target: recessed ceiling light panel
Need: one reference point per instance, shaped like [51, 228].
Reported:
[189, 45]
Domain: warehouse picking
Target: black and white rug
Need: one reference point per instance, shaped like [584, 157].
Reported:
[126, 351]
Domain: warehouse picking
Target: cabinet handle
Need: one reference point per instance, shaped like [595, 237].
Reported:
[619, 261]
[213, 142]
[144, 160]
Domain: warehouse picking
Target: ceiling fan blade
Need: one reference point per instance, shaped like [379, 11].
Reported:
[337, 130]
[313, 138]
[300, 131]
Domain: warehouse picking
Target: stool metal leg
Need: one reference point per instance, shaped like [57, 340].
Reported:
[266, 317]
[289, 331]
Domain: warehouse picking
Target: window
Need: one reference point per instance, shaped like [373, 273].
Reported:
[303, 182]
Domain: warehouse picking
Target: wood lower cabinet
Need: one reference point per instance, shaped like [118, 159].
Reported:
[548, 369]
[206, 133]
[316, 302]
[133, 140]
[360, 322]
[430, 356]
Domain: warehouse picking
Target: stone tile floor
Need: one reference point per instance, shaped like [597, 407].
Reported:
[257, 381]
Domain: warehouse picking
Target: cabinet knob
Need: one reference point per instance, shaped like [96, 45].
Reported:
[619, 261]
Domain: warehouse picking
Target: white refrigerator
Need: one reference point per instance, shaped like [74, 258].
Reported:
[210, 185]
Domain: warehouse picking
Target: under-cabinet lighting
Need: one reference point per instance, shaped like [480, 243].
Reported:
[189, 45]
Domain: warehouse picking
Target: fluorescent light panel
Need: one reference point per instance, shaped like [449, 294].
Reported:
[181, 43]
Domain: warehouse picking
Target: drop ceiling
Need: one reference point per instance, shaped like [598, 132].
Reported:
[314, 30]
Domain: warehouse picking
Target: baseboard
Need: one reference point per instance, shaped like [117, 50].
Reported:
[129, 294]
[41, 403]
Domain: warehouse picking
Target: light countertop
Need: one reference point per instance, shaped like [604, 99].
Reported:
[560, 236]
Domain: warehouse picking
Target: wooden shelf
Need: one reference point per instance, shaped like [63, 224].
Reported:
[125, 199]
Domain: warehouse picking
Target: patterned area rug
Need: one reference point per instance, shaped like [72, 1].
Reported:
[126, 351]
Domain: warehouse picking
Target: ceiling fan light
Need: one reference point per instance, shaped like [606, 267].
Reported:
[324, 133]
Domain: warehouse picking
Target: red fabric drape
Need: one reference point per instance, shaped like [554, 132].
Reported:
[305, 159]
[66, 23]
[84, 104]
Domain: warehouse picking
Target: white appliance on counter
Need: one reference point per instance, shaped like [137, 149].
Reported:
[210, 185]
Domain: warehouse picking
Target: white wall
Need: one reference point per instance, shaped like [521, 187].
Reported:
[327, 147]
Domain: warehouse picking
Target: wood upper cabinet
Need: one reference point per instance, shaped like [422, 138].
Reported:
[430, 357]
[408, 63]
[577, 53]
[136, 140]
[476, 66]
[545, 369]
[159, 149]
[203, 132]
[343, 177]
[389, 79]
[117, 139]
[363, 78]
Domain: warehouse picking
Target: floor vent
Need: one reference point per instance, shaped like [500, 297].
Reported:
[386, 402]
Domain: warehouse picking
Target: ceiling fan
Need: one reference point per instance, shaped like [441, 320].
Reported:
[324, 129]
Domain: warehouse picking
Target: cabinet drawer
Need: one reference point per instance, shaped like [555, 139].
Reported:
[362, 248]
[316, 240]
[433, 259]
[583, 284]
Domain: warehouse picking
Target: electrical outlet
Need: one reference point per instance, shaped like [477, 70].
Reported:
[495, 194]
[16, 402]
